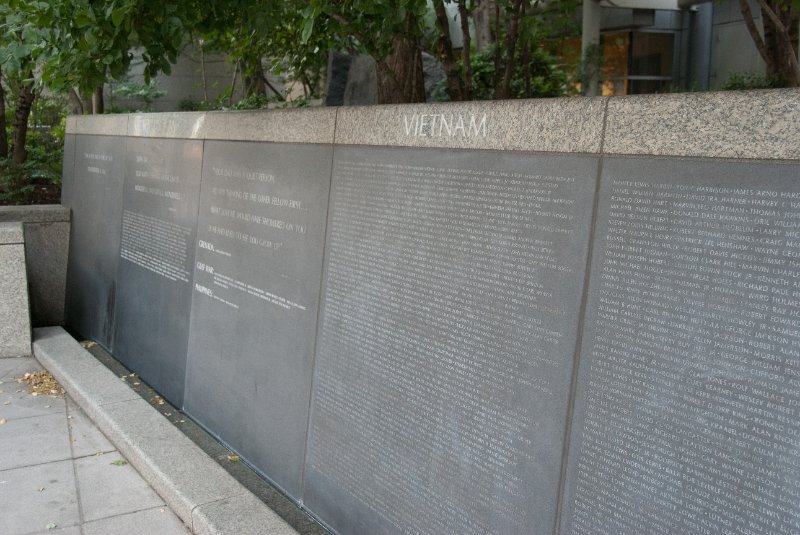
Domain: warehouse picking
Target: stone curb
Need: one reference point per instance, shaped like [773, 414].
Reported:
[202, 494]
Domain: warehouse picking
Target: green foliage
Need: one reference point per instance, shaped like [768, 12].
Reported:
[367, 26]
[746, 80]
[253, 102]
[87, 42]
[19, 182]
[146, 93]
[548, 78]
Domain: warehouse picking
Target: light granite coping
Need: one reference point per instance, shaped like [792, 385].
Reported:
[202, 494]
[571, 125]
[304, 125]
[11, 234]
[731, 124]
[178, 125]
[114, 124]
[35, 213]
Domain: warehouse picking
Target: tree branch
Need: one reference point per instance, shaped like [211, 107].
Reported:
[744, 7]
[787, 40]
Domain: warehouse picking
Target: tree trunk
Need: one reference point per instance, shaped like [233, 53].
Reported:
[98, 104]
[24, 105]
[466, 49]
[3, 133]
[254, 78]
[445, 46]
[482, 17]
[400, 76]
[776, 48]
[511, 45]
[497, 51]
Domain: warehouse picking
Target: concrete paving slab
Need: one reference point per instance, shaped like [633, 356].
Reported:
[36, 440]
[156, 522]
[74, 530]
[110, 488]
[34, 496]
[17, 402]
[87, 439]
[16, 367]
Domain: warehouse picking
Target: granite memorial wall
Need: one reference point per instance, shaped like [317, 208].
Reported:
[557, 316]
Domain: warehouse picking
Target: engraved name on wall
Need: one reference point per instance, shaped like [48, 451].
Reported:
[686, 418]
[450, 312]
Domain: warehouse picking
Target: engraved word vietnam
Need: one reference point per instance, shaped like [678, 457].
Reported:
[441, 124]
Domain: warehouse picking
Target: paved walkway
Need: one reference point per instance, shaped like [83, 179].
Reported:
[60, 475]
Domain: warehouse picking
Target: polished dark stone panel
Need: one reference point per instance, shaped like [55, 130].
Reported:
[446, 342]
[256, 291]
[95, 198]
[154, 292]
[686, 411]
[68, 169]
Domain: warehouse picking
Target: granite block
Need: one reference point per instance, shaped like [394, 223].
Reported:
[15, 323]
[185, 125]
[182, 474]
[733, 124]
[240, 515]
[312, 125]
[11, 233]
[176, 468]
[87, 381]
[546, 125]
[46, 250]
[37, 213]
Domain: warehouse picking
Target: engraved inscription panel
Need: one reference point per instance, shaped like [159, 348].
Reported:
[686, 416]
[94, 194]
[446, 340]
[256, 290]
[162, 185]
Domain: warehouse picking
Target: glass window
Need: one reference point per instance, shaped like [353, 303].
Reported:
[637, 62]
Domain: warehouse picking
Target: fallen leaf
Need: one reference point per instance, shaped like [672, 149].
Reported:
[233, 458]
[120, 462]
[134, 384]
[47, 406]
[41, 382]
[162, 509]
[87, 344]
[2, 421]
[52, 525]
[167, 414]
[41, 489]
[6, 403]
[158, 400]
